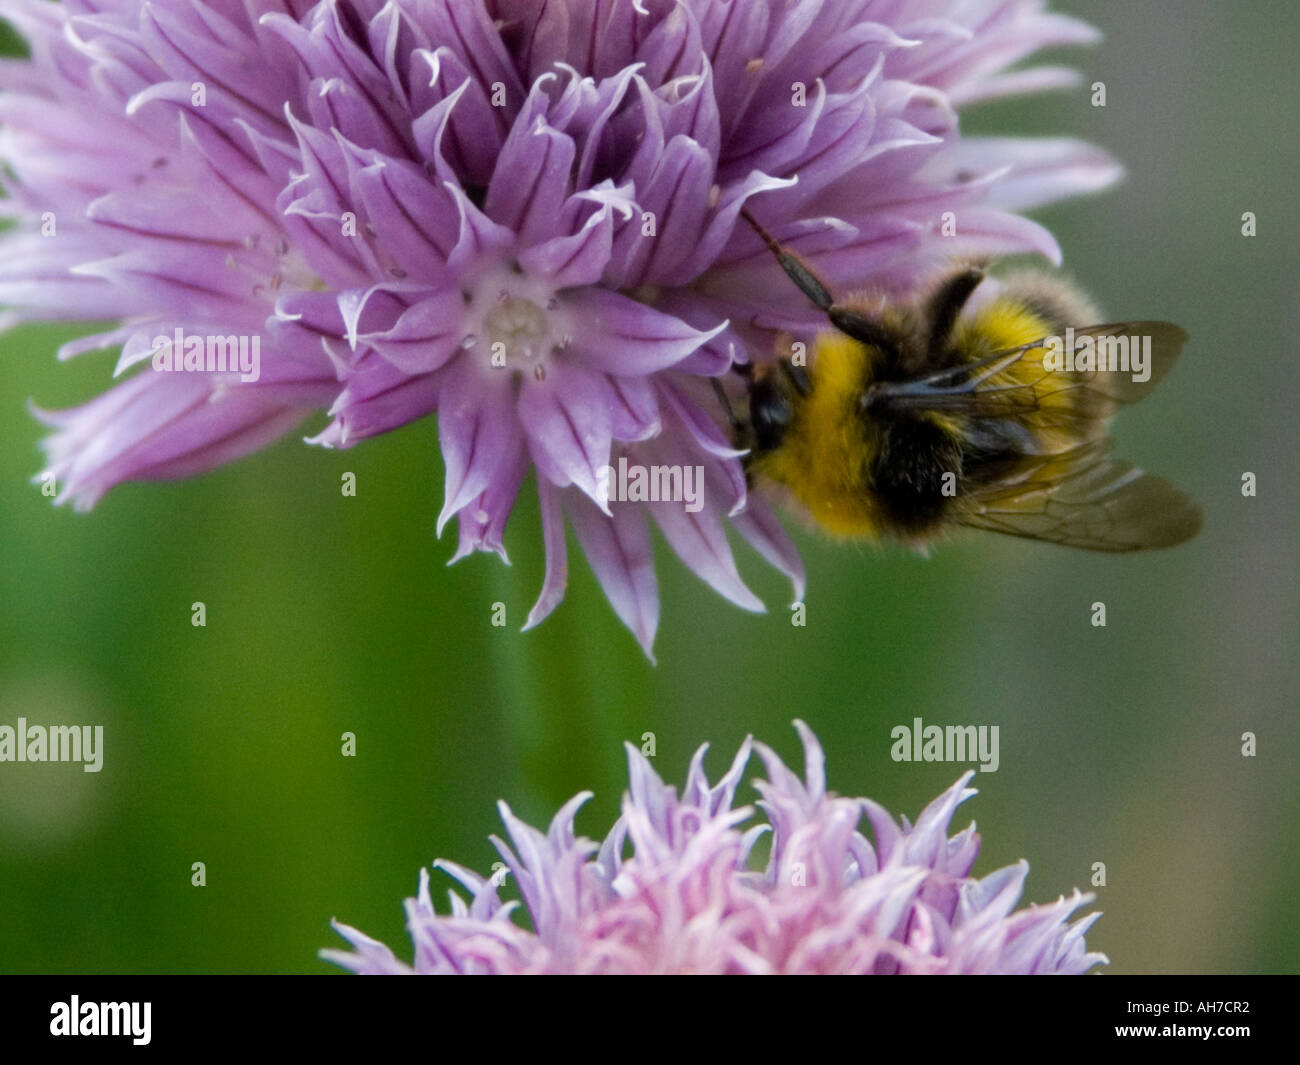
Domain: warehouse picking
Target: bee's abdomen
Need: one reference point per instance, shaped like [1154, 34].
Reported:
[916, 474]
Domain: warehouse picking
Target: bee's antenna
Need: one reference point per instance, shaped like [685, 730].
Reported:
[764, 235]
[795, 268]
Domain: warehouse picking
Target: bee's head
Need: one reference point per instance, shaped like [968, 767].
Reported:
[771, 407]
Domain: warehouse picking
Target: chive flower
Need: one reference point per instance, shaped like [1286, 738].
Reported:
[688, 898]
[522, 216]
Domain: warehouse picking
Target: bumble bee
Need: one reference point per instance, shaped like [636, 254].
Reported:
[912, 418]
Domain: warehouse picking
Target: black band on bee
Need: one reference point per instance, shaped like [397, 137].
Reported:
[916, 472]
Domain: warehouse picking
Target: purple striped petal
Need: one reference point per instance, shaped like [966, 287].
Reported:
[629, 338]
[619, 551]
[568, 424]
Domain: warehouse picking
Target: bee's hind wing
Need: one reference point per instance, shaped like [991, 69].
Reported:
[1084, 498]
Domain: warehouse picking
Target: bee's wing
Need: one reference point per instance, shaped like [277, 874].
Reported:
[1086, 498]
[1167, 342]
[984, 388]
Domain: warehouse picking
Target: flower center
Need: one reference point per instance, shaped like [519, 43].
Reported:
[519, 324]
[514, 322]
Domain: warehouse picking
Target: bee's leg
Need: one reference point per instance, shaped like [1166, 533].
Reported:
[736, 424]
[797, 376]
[946, 304]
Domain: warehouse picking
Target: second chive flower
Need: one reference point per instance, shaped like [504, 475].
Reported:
[686, 899]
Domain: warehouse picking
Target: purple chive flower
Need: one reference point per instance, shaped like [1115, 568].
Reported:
[522, 215]
[686, 900]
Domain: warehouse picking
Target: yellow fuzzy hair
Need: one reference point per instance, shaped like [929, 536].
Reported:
[825, 457]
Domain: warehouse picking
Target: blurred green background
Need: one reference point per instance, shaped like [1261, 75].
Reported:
[328, 614]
